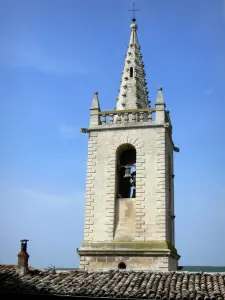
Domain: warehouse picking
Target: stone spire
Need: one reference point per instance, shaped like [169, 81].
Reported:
[133, 91]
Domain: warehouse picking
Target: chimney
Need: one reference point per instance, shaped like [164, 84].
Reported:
[22, 267]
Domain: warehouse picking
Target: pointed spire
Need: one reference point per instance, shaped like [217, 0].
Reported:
[160, 98]
[133, 36]
[95, 102]
[133, 92]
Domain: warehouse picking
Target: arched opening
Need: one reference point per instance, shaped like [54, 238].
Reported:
[125, 209]
[131, 72]
[122, 265]
[126, 171]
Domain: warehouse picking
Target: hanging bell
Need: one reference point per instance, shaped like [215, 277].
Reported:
[127, 172]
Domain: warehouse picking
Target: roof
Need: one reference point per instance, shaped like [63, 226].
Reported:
[116, 284]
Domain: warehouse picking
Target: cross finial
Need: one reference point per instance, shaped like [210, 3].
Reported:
[133, 10]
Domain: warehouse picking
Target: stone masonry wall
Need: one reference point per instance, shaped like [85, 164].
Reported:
[132, 262]
[90, 190]
[160, 218]
[125, 218]
[150, 183]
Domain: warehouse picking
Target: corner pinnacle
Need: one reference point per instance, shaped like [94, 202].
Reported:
[95, 102]
[160, 98]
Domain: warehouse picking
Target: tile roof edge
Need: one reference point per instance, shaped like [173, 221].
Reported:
[117, 270]
[63, 296]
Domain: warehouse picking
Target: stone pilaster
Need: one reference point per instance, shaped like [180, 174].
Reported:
[90, 190]
[110, 194]
[161, 186]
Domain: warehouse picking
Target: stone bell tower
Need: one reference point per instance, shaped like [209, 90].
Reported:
[129, 214]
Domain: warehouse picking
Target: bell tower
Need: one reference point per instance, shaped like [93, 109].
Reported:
[129, 211]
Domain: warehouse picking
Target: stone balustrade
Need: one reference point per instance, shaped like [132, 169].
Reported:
[116, 117]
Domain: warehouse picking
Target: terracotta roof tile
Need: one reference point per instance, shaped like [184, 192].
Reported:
[116, 284]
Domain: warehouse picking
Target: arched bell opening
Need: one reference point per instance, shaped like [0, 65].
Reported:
[126, 171]
[125, 212]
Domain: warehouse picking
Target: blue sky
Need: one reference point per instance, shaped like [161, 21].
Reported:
[54, 55]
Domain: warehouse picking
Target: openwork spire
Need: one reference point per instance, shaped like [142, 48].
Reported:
[133, 92]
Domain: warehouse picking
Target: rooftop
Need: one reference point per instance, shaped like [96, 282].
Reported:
[115, 284]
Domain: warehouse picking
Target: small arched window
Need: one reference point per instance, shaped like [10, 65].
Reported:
[122, 265]
[131, 72]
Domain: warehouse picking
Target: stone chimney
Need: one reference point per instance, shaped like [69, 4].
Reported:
[23, 256]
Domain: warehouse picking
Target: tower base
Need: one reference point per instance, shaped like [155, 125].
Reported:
[151, 256]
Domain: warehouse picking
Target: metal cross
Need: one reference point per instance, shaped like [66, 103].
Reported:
[133, 10]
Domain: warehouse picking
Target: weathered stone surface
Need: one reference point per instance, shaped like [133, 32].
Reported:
[132, 262]
[125, 218]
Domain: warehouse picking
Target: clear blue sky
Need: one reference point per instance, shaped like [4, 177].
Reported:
[54, 55]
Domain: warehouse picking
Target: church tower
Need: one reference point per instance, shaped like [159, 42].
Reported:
[129, 210]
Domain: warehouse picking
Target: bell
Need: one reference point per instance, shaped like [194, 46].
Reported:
[127, 172]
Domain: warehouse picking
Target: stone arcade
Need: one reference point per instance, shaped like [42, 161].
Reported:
[129, 214]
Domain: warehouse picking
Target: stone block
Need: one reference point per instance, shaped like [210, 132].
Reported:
[93, 134]
[101, 259]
